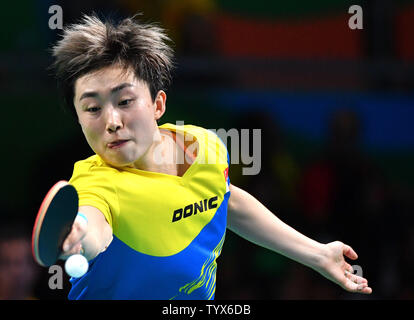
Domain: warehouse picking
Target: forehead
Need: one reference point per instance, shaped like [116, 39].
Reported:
[104, 79]
[102, 76]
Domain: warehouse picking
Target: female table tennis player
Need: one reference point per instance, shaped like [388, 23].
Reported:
[158, 198]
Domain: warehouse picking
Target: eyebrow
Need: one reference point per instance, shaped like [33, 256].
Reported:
[93, 94]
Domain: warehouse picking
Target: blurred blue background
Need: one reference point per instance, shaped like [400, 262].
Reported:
[336, 109]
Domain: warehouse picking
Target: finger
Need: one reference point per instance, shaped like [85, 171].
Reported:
[72, 238]
[349, 252]
[76, 249]
[352, 286]
[354, 283]
[366, 290]
[348, 268]
[363, 288]
[75, 236]
[356, 279]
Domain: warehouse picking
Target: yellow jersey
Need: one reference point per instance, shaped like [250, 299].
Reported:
[167, 230]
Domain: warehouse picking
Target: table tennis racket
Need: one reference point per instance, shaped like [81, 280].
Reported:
[54, 222]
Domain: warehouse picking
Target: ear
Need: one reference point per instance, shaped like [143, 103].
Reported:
[160, 104]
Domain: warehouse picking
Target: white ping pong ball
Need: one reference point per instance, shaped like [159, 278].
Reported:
[76, 265]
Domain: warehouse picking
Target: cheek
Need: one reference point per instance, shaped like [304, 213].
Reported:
[143, 122]
[91, 134]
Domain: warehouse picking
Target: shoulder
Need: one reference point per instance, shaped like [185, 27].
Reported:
[92, 164]
[86, 164]
[92, 169]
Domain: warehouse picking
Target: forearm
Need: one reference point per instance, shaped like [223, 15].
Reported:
[253, 221]
[98, 235]
[90, 234]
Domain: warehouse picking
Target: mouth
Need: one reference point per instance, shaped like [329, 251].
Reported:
[116, 144]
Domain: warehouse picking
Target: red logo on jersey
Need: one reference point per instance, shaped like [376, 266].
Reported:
[226, 173]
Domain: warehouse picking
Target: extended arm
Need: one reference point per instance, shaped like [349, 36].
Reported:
[92, 237]
[251, 220]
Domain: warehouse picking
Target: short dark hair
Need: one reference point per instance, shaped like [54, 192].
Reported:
[93, 44]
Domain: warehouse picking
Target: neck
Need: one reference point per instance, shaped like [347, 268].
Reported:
[160, 157]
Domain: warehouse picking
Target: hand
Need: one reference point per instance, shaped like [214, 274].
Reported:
[336, 269]
[73, 242]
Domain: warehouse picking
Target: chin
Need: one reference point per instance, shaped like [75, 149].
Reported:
[119, 162]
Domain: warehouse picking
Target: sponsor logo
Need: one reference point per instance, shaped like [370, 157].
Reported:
[194, 208]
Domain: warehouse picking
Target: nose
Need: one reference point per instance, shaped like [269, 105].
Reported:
[113, 120]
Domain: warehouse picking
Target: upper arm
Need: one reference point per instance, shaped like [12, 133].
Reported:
[230, 205]
[236, 206]
[243, 207]
[235, 194]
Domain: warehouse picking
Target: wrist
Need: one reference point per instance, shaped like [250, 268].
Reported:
[319, 258]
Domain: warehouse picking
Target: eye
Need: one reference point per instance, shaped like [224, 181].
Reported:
[93, 109]
[125, 102]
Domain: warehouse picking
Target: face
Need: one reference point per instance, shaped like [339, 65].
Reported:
[117, 115]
